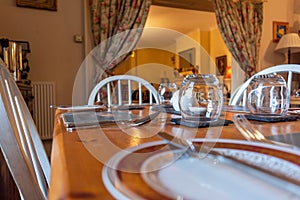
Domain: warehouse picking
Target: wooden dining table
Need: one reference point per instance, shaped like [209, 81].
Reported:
[76, 171]
[295, 101]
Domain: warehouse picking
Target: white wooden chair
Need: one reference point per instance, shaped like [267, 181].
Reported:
[122, 92]
[239, 95]
[20, 142]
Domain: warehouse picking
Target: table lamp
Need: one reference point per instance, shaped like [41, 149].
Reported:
[289, 43]
[228, 72]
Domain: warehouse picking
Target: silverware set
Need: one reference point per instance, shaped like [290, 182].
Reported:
[131, 122]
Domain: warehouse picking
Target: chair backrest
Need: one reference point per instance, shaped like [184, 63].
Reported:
[20, 142]
[239, 95]
[124, 86]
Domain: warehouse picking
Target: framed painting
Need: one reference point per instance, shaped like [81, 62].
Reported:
[221, 63]
[39, 4]
[187, 59]
[279, 29]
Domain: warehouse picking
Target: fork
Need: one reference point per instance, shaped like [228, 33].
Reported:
[144, 120]
[254, 135]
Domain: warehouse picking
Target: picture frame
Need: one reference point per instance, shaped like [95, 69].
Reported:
[38, 4]
[279, 29]
[187, 59]
[221, 63]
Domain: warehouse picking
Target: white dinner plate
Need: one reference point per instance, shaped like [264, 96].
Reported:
[163, 176]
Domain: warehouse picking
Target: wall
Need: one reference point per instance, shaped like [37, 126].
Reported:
[218, 46]
[54, 55]
[295, 58]
[155, 64]
[200, 40]
[150, 64]
[275, 10]
[211, 46]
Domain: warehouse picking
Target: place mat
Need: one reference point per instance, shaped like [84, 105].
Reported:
[230, 108]
[82, 108]
[129, 107]
[166, 108]
[93, 118]
[271, 118]
[196, 124]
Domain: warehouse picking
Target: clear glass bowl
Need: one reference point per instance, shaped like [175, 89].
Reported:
[166, 91]
[268, 95]
[201, 98]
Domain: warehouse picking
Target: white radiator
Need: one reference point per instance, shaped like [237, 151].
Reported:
[43, 115]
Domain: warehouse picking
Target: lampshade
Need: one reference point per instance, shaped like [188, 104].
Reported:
[289, 41]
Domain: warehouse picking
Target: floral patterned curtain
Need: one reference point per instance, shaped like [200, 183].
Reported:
[240, 24]
[116, 26]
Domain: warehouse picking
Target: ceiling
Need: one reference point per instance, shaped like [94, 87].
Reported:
[177, 20]
[181, 20]
[203, 5]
